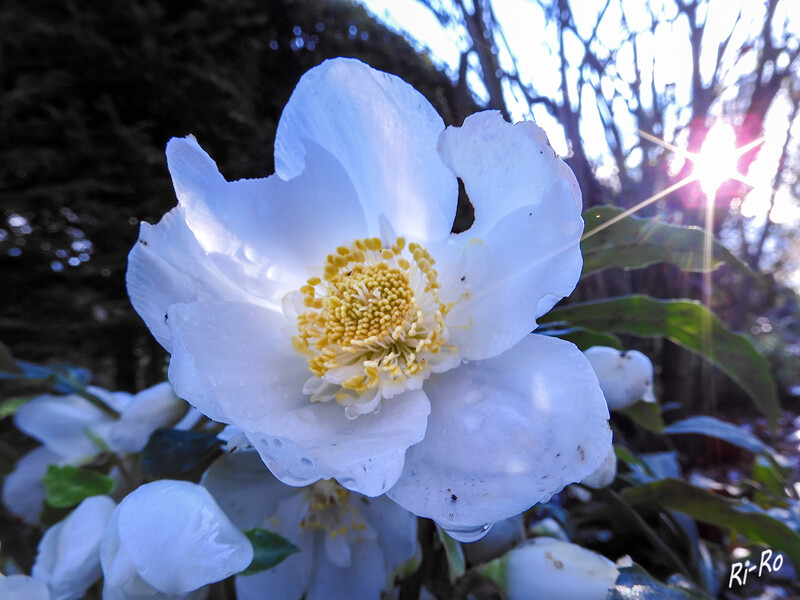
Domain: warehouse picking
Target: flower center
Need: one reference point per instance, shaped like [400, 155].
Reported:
[374, 325]
[329, 509]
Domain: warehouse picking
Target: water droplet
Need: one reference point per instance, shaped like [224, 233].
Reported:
[468, 534]
[277, 443]
[473, 397]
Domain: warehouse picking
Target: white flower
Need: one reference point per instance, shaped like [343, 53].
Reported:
[76, 429]
[70, 426]
[73, 431]
[167, 539]
[68, 556]
[328, 312]
[22, 587]
[549, 569]
[348, 543]
[70, 429]
[626, 377]
[145, 412]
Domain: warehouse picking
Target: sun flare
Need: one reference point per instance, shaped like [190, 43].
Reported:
[716, 162]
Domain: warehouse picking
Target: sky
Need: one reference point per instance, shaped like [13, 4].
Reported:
[530, 40]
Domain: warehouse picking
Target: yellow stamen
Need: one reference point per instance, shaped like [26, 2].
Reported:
[375, 308]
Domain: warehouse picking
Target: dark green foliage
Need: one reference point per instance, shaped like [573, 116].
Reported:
[89, 96]
[176, 453]
[729, 432]
[633, 243]
[689, 324]
[269, 549]
[745, 518]
[582, 337]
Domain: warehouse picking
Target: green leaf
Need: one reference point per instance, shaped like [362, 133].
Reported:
[174, 452]
[746, 519]
[12, 405]
[634, 583]
[269, 549]
[662, 465]
[624, 512]
[712, 427]
[648, 467]
[769, 477]
[456, 563]
[68, 485]
[633, 243]
[646, 414]
[689, 324]
[584, 338]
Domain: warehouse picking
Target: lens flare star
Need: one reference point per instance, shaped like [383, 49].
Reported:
[715, 164]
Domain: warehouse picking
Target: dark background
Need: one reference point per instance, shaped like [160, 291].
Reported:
[91, 92]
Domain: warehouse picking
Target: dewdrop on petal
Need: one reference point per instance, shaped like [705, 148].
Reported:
[626, 377]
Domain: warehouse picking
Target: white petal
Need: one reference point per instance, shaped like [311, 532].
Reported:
[232, 360]
[168, 266]
[605, 473]
[68, 556]
[549, 569]
[504, 167]
[281, 227]
[235, 356]
[384, 133]
[244, 488]
[120, 579]
[23, 491]
[289, 579]
[625, 377]
[249, 240]
[150, 409]
[365, 578]
[505, 433]
[22, 587]
[396, 530]
[319, 441]
[61, 423]
[523, 265]
[178, 538]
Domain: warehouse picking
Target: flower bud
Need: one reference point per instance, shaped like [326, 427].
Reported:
[549, 569]
[68, 556]
[167, 539]
[625, 377]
